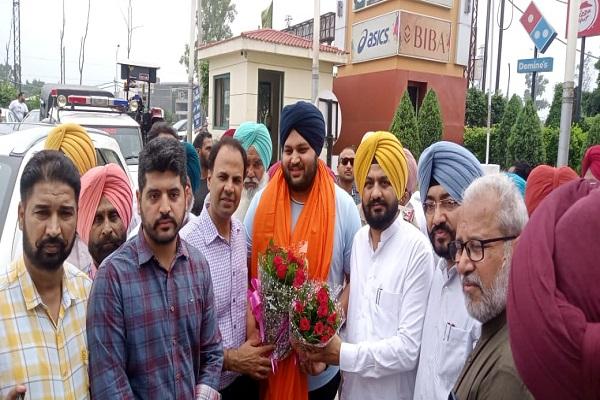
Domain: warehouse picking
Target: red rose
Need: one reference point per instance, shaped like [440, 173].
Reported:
[322, 311]
[323, 296]
[319, 328]
[329, 331]
[277, 261]
[299, 278]
[331, 319]
[298, 307]
[281, 271]
[325, 338]
[300, 263]
[304, 324]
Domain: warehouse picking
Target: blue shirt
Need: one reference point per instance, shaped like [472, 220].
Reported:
[152, 334]
[347, 223]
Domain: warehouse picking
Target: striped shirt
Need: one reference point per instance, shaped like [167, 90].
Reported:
[153, 333]
[49, 359]
[229, 271]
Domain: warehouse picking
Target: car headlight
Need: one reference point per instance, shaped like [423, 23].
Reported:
[61, 100]
[133, 106]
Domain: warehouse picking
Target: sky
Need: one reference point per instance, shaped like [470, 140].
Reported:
[162, 29]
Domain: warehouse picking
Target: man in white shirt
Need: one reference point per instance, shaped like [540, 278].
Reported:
[449, 332]
[18, 106]
[392, 267]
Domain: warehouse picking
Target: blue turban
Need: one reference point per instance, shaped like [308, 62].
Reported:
[305, 118]
[192, 165]
[519, 182]
[256, 135]
[449, 164]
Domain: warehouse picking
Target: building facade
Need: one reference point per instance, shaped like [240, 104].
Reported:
[398, 45]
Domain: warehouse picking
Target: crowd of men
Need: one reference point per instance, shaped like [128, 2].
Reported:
[457, 285]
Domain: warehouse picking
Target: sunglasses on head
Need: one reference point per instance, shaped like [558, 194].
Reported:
[346, 160]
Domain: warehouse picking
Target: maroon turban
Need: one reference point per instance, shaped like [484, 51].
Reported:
[591, 160]
[542, 180]
[229, 133]
[553, 298]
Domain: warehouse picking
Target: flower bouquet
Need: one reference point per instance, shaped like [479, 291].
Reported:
[280, 272]
[315, 316]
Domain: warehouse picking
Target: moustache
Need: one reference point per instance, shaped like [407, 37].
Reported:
[472, 279]
[441, 227]
[377, 202]
[51, 241]
[164, 219]
[252, 180]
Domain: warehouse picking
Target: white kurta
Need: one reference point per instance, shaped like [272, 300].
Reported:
[449, 335]
[388, 297]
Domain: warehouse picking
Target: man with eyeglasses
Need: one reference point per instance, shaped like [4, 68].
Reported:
[345, 176]
[493, 216]
[445, 170]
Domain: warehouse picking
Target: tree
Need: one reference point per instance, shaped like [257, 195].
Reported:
[553, 118]
[430, 124]
[475, 140]
[525, 142]
[404, 126]
[216, 17]
[82, 45]
[499, 153]
[7, 93]
[586, 82]
[593, 136]
[476, 108]
[540, 88]
[498, 106]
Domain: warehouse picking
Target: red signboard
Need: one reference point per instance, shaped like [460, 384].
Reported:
[531, 16]
[589, 23]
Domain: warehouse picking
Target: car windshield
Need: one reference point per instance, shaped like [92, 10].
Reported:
[129, 141]
[9, 168]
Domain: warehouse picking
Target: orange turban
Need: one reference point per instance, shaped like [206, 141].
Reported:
[75, 143]
[542, 180]
[110, 181]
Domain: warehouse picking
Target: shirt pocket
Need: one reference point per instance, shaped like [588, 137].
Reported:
[452, 355]
[385, 310]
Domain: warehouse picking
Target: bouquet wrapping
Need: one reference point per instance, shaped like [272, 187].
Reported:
[315, 315]
[281, 271]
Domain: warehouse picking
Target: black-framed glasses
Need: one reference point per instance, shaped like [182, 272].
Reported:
[447, 205]
[347, 160]
[475, 247]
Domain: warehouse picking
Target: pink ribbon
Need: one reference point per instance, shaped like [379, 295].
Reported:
[256, 306]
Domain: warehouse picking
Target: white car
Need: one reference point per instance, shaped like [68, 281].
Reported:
[16, 149]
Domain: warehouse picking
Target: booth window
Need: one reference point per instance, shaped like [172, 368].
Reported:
[221, 112]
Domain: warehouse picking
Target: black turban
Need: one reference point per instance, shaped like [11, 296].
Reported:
[305, 118]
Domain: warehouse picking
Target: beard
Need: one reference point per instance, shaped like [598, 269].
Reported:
[151, 229]
[380, 221]
[493, 299]
[302, 185]
[440, 248]
[105, 247]
[42, 259]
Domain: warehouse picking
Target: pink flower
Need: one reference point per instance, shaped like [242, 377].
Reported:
[304, 324]
[319, 328]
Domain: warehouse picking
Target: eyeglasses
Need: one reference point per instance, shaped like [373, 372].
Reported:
[346, 160]
[446, 205]
[475, 247]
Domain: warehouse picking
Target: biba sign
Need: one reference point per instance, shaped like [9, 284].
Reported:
[425, 37]
[375, 38]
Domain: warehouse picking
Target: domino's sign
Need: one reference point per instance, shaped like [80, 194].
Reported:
[540, 31]
[545, 64]
[375, 38]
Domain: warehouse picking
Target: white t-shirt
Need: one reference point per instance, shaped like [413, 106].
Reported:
[19, 109]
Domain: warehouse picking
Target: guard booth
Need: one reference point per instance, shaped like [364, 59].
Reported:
[141, 75]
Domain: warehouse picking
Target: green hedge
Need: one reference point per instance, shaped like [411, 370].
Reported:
[475, 140]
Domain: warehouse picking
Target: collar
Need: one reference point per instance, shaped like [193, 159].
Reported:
[493, 325]
[145, 254]
[209, 229]
[29, 291]
[389, 232]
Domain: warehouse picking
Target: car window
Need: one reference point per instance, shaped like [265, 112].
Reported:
[9, 167]
[106, 156]
[129, 139]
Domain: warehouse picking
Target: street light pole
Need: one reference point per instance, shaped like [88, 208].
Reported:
[191, 54]
[566, 110]
[489, 118]
[116, 68]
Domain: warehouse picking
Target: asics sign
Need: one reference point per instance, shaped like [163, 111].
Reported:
[375, 38]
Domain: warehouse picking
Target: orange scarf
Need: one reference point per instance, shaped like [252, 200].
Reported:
[315, 225]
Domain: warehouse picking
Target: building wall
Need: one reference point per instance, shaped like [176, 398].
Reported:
[243, 69]
[380, 83]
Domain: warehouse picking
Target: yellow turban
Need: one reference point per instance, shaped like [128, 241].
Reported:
[75, 143]
[387, 150]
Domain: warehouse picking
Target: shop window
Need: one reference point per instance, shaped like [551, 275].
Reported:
[221, 108]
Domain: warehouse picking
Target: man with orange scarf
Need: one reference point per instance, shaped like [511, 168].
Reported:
[302, 203]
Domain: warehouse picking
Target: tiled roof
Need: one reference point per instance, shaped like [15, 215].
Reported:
[278, 37]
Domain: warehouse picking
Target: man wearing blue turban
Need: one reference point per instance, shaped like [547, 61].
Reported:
[256, 140]
[445, 170]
